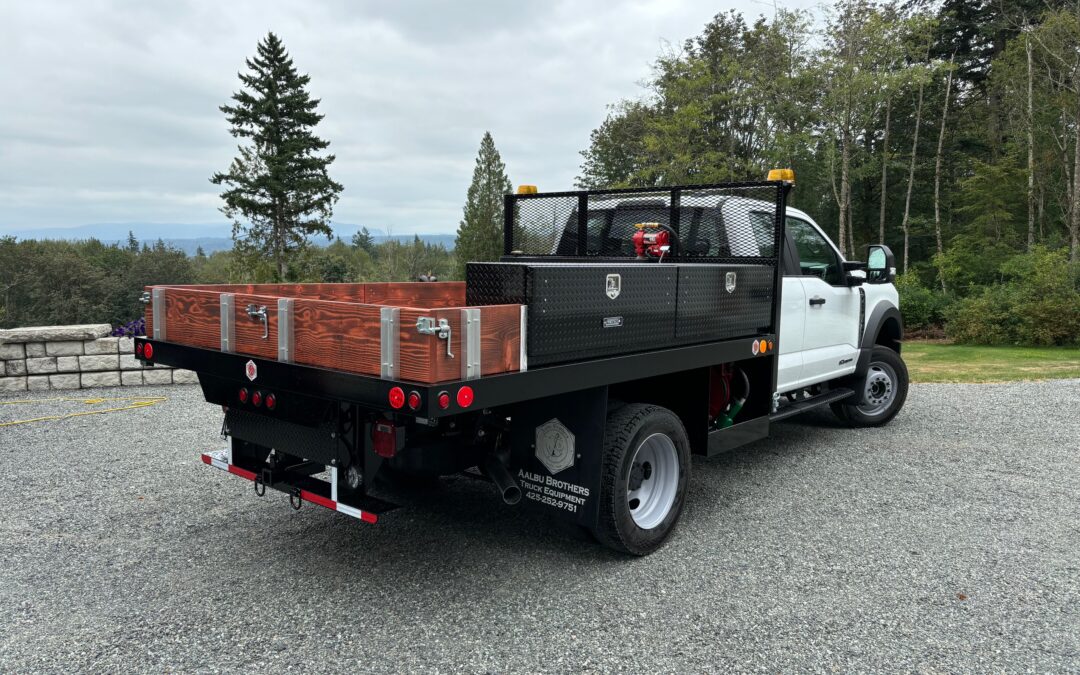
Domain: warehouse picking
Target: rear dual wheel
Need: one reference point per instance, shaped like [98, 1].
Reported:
[645, 472]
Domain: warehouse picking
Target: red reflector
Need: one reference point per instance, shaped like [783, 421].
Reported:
[148, 351]
[414, 400]
[384, 439]
[271, 401]
[444, 400]
[397, 398]
[243, 395]
[139, 349]
[465, 397]
[256, 399]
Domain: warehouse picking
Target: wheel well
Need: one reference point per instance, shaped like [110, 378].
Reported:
[890, 335]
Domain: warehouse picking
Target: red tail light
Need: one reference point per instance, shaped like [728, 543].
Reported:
[243, 395]
[384, 439]
[397, 398]
[444, 400]
[271, 401]
[465, 397]
[148, 351]
[139, 349]
[414, 400]
[256, 399]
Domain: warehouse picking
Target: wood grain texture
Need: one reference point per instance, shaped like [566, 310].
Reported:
[249, 332]
[346, 335]
[192, 317]
[337, 335]
[500, 339]
[417, 294]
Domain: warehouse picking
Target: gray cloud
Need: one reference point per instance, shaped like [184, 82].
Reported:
[110, 111]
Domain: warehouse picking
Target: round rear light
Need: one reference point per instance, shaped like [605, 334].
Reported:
[465, 397]
[414, 400]
[148, 351]
[444, 400]
[139, 349]
[243, 395]
[256, 399]
[397, 398]
[271, 401]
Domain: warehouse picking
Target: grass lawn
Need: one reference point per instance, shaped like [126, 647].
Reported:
[940, 362]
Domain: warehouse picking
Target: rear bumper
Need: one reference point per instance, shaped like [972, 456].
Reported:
[219, 459]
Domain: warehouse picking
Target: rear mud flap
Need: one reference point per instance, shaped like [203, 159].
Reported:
[557, 449]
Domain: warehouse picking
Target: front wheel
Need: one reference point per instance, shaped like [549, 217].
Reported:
[646, 468]
[882, 391]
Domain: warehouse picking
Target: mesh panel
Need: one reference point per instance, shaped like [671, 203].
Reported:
[716, 223]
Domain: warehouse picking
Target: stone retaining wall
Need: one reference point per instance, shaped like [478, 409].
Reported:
[75, 357]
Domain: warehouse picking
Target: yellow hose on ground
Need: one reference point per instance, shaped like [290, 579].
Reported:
[135, 402]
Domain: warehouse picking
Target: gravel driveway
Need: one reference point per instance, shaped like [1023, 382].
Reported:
[947, 541]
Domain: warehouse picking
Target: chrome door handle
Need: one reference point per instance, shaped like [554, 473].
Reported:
[816, 301]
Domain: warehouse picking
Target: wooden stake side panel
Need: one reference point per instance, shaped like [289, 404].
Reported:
[500, 339]
[191, 317]
[338, 335]
[346, 335]
[417, 294]
[403, 294]
[249, 331]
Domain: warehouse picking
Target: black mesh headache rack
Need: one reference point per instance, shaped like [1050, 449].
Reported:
[613, 272]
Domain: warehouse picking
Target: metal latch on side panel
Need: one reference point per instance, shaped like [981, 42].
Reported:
[425, 325]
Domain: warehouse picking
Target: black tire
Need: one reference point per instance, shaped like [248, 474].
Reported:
[885, 365]
[628, 428]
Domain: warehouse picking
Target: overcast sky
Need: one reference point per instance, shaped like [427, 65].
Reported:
[109, 110]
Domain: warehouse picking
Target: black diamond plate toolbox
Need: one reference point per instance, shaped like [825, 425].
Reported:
[578, 311]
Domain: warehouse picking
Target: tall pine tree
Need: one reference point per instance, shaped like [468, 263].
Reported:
[278, 191]
[480, 235]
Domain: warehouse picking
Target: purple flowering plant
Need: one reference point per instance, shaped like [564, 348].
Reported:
[136, 328]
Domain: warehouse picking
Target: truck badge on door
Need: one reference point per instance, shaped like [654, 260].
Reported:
[614, 285]
[251, 370]
[729, 282]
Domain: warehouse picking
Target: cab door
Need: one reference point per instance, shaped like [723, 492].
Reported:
[831, 324]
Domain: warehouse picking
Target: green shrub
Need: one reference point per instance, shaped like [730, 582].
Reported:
[921, 307]
[1037, 303]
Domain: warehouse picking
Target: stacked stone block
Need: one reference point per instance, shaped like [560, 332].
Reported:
[75, 357]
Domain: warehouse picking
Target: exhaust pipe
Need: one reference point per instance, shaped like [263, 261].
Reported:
[498, 473]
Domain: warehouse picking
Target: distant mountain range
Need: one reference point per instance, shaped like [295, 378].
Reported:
[189, 237]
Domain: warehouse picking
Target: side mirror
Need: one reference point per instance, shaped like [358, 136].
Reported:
[880, 264]
[854, 274]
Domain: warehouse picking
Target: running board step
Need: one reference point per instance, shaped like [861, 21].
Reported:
[801, 406]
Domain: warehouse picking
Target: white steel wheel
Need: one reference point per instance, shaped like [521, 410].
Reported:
[654, 481]
[644, 475]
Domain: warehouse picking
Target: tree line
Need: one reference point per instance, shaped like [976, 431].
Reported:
[948, 130]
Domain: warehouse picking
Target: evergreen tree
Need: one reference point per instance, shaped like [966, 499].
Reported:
[278, 190]
[364, 240]
[480, 235]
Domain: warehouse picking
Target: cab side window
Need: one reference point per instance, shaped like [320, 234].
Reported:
[816, 257]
